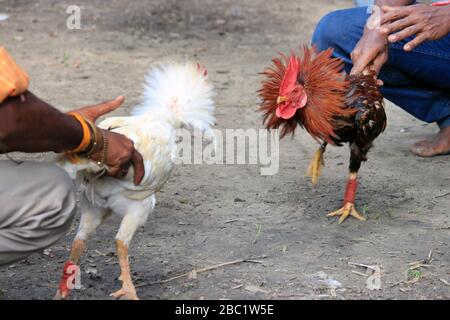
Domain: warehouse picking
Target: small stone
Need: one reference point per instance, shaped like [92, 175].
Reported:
[4, 16]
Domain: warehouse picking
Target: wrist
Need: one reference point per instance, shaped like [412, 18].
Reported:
[87, 133]
[100, 152]
[96, 140]
[374, 36]
[92, 141]
[394, 3]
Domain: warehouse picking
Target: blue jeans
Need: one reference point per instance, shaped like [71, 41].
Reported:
[417, 81]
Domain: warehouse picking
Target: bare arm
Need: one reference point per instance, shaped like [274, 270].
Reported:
[29, 124]
[393, 3]
[32, 125]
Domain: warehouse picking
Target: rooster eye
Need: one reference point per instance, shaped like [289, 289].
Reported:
[296, 91]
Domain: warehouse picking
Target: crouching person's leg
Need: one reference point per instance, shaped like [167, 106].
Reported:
[37, 206]
[409, 78]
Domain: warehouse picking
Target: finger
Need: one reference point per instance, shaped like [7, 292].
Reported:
[393, 13]
[108, 106]
[379, 62]
[406, 33]
[96, 111]
[139, 169]
[396, 26]
[362, 61]
[418, 40]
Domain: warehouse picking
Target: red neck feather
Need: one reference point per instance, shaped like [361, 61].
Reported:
[325, 86]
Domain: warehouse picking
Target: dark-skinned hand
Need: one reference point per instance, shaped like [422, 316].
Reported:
[425, 22]
[121, 152]
[371, 52]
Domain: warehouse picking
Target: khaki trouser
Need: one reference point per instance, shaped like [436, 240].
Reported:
[37, 206]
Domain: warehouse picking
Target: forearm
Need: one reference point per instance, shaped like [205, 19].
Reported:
[393, 3]
[32, 125]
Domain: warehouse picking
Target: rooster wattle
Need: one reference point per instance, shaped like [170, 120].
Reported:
[311, 90]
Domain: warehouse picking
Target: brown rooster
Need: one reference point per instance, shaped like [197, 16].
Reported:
[311, 90]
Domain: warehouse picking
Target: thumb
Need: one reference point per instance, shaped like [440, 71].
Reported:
[360, 64]
[378, 63]
[363, 61]
[96, 111]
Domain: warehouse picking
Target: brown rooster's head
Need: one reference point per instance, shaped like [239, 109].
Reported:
[307, 89]
[292, 95]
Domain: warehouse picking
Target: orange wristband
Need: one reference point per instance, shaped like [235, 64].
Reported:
[84, 144]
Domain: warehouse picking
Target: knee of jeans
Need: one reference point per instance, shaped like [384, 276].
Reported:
[329, 30]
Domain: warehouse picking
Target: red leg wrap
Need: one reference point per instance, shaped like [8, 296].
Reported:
[64, 282]
[350, 191]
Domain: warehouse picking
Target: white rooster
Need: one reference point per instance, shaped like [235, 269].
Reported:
[175, 96]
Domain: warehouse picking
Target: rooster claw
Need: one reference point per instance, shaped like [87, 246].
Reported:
[347, 210]
[125, 294]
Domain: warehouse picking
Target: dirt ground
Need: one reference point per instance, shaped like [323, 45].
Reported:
[212, 214]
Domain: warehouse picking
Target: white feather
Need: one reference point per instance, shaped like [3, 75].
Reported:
[180, 91]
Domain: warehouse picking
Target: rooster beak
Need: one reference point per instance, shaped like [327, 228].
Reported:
[281, 99]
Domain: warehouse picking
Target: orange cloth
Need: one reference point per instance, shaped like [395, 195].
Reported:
[13, 80]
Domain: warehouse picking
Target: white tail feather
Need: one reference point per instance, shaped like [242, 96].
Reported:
[181, 92]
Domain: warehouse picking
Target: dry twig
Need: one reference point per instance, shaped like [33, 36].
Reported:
[197, 271]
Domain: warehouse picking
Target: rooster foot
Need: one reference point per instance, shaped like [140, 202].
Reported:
[125, 293]
[347, 210]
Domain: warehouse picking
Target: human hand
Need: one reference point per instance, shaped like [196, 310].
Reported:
[371, 52]
[424, 21]
[118, 152]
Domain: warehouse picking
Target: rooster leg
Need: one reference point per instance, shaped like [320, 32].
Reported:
[315, 167]
[91, 218]
[130, 223]
[349, 202]
[127, 292]
[358, 154]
